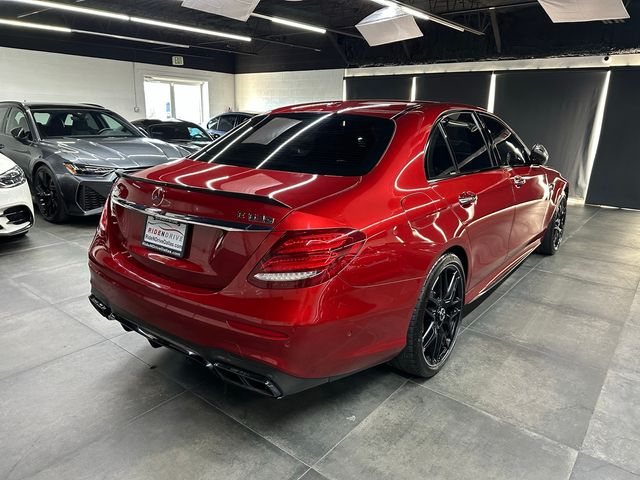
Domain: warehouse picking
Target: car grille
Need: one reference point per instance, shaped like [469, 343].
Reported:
[18, 215]
[89, 199]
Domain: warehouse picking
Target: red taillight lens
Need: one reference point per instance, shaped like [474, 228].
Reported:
[307, 258]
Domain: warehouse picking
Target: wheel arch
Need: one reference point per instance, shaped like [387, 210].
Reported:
[461, 253]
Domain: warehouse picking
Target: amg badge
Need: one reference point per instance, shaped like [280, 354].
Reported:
[255, 217]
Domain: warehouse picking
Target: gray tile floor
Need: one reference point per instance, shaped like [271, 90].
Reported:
[544, 383]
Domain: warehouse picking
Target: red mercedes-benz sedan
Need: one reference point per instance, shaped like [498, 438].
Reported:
[319, 240]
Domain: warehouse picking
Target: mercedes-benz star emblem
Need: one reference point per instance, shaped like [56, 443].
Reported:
[157, 197]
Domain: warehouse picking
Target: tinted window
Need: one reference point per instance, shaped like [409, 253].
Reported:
[177, 132]
[213, 124]
[467, 143]
[323, 144]
[16, 119]
[226, 123]
[3, 113]
[81, 123]
[511, 151]
[439, 161]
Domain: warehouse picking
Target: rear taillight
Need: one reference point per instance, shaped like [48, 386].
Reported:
[307, 258]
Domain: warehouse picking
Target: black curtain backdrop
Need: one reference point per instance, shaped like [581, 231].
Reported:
[615, 179]
[469, 88]
[556, 108]
[385, 87]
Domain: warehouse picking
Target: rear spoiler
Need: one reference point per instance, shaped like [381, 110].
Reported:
[244, 196]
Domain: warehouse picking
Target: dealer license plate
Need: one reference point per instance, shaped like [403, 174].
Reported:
[164, 236]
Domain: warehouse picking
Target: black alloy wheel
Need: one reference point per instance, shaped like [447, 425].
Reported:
[442, 316]
[558, 224]
[435, 323]
[50, 203]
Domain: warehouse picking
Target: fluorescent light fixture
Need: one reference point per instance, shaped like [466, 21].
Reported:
[291, 23]
[414, 88]
[39, 26]
[419, 14]
[131, 39]
[73, 8]
[185, 28]
[344, 90]
[118, 16]
[491, 102]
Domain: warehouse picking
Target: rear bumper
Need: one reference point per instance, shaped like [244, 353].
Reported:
[230, 368]
[308, 336]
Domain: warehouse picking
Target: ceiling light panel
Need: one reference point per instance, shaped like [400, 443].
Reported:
[388, 25]
[561, 11]
[237, 9]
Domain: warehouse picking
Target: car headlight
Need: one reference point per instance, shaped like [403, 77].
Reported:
[12, 178]
[94, 170]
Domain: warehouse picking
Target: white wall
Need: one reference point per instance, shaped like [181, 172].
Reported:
[50, 77]
[258, 92]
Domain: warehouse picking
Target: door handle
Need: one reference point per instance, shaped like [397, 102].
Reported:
[518, 181]
[467, 199]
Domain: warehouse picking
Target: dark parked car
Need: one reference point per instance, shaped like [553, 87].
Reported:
[186, 135]
[70, 153]
[319, 240]
[222, 124]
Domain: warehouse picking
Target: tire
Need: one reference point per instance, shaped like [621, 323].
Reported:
[555, 230]
[439, 311]
[48, 197]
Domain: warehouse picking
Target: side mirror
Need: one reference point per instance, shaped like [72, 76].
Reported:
[539, 155]
[20, 134]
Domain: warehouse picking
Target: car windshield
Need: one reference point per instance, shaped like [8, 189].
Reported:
[54, 123]
[178, 132]
[316, 143]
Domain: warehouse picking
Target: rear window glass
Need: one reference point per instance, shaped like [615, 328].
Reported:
[317, 143]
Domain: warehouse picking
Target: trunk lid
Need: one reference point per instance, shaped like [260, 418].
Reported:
[228, 212]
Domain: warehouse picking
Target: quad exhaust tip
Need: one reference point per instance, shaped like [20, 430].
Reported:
[227, 373]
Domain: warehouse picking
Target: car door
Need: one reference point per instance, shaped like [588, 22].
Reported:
[530, 186]
[476, 188]
[20, 151]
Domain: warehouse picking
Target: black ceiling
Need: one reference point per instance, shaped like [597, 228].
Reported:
[520, 29]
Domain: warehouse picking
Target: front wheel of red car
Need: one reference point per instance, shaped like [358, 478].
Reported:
[555, 231]
[435, 323]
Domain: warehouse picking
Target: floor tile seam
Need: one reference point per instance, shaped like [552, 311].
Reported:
[526, 429]
[380, 405]
[251, 429]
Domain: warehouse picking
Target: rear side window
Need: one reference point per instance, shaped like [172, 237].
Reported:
[467, 143]
[439, 161]
[511, 151]
[226, 123]
[317, 143]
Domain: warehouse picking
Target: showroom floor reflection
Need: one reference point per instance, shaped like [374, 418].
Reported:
[544, 383]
